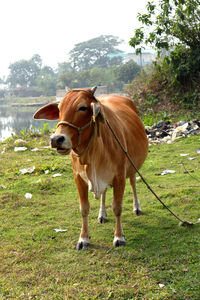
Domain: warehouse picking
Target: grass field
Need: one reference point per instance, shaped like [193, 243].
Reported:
[160, 260]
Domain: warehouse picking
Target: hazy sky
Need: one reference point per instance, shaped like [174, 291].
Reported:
[51, 28]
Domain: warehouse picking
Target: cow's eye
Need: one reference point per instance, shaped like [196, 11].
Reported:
[82, 108]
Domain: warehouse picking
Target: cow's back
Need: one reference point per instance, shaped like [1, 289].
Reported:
[128, 124]
[116, 99]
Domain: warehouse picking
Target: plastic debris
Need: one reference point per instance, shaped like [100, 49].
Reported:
[46, 172]
[166, 172]
[198, 151]
[28, 196]
[35, 149]
[167, 132]
[2, 186]
[28, 170]
[184, 154]
[60, 230]
[191, 158]
[56, 175]
[161, 285]
[179, 130]
[19, 141]
[16, 149]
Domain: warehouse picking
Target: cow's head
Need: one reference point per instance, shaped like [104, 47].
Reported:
[77, 113]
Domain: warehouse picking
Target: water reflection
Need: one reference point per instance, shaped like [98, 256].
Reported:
[16, 119]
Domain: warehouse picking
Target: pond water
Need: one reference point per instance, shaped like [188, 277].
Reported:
[14, 120]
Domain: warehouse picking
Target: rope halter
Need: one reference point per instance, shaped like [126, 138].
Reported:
[80, 130]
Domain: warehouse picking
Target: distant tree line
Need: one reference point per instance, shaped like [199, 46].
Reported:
[94, 62]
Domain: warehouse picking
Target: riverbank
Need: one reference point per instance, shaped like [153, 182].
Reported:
[29, 104]
[26, 101]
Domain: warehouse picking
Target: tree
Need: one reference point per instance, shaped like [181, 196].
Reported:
[36, 59]
[47, 81]
[127, 72]
[64, 67]
[175, 27]
[66, 79]
[174, 22]
[23, 73]
[94, 52]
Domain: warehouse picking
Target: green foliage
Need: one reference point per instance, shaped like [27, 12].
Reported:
[88, 78]
[34, 131]
[94, 53]
[184, 67]
[172, 22]
[2, 93]
[47, 81]
[173, 30]
[127, 72]
[152, 100]
[24, 72]
[96, 76]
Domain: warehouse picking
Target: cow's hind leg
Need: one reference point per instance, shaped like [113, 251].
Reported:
[118, 190]
[136, 203]
[102, 217]
[82, 188]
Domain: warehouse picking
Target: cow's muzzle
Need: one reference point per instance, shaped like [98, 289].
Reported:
[61, 143]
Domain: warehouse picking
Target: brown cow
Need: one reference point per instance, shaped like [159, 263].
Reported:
[97, 159]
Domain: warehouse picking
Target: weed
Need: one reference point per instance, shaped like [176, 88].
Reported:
[160, 261]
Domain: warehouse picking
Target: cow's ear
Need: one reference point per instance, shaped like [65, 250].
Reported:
[96, 111]
[48, 112]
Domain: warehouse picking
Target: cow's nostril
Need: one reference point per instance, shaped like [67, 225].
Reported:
[57, 141]
[60, 140]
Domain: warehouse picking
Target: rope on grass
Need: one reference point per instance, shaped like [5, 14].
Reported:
[182, 222]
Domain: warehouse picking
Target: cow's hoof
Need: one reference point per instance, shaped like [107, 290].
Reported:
[118, 242]
[137, 212]
[82, 244]
[102, 220]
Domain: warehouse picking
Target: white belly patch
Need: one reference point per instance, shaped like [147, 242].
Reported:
[97, 187]
[97, 183]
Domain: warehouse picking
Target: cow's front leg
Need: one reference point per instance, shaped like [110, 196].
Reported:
[118, 191]
[102, 217]
[82, 188]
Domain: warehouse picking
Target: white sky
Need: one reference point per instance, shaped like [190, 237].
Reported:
[51, 28]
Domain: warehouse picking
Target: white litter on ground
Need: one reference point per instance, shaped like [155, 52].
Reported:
[166, 172]
[35, 149]
[28, 170]
[28, 196]
[16, 149]
[56, 175]
[60, 230]
[19, 141]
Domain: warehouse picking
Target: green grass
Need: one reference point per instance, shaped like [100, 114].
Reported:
[38, 263]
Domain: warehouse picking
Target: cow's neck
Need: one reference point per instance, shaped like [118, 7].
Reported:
[83, 148]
